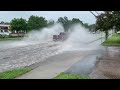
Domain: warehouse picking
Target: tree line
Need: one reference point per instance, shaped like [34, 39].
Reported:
[36, 23]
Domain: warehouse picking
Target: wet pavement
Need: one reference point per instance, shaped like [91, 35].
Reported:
[108, 65]
[86, 65]
[103, 63]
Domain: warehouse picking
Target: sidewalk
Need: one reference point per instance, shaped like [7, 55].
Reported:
[54, 65]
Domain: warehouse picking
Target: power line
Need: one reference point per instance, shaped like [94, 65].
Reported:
[93, 14]
[97, 12]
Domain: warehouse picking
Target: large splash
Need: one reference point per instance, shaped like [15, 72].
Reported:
[45, 34]
[35, 37]
[80, 38]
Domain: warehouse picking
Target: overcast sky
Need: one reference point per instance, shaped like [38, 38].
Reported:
[84, 16]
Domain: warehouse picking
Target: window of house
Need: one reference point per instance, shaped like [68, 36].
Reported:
[5, 30]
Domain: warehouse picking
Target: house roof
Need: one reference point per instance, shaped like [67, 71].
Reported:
[6, 25]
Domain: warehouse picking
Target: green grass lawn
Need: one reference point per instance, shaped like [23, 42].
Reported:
[113, 41]
[70, 76]
[11, 74]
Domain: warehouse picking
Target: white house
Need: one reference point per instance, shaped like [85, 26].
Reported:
[5, 29]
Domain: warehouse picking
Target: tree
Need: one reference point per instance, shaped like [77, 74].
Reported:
[116, 20]
[67, 23]
[92, 27]
[107, 21]
[86, 25]
[36, 22]
[64, 21]
[61, 20]
[2, 22]
[18, 24]
[104, 22]
[51, 22]
[76, 20]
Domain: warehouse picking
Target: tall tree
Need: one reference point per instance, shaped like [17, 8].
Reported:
[18, 24]
[116, 20]
[51, 22]
[36, 22]
[107, 21]
[76, 20]
[67, 23]
[104, 22]
[86, 25]
[92, 27]
[64, 21]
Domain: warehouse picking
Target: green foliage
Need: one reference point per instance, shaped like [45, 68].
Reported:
[108, 20]
[18, 24]
[67, 23]
[64, 21]
[36, 22]
[51, 22]
[11, 74]
[76, 20]
[70, 76]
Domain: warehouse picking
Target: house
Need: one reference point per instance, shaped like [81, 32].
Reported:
[5, 29]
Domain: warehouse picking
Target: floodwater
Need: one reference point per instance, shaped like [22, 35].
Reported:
[16, 43]
[6, 44]
[32, 51]
[12, 43]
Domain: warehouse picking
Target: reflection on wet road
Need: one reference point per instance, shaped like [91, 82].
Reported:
[86, 65]
[103, 63]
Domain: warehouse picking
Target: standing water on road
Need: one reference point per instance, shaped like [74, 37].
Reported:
[38, 45]
[34, 37]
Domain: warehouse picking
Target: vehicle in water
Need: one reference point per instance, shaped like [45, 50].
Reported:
[61, 37]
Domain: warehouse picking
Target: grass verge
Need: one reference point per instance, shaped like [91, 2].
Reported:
[11, 74]
[11, 38]
[70, 76]
[113, 41]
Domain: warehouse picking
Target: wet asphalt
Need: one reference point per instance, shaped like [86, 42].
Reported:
[86, 65]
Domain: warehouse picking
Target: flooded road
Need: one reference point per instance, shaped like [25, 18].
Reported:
[17, 54]
[26, 55]
[7, 44]
[14, 54]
